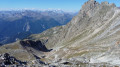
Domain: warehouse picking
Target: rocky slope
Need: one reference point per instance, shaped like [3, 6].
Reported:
[92, 37]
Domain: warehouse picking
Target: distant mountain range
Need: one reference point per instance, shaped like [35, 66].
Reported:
[15, 25]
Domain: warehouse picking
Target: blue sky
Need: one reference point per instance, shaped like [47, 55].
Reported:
[73, 5]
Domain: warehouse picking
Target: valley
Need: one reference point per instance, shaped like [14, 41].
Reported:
[17, 25]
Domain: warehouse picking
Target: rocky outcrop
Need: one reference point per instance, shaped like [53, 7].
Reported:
[6, 59]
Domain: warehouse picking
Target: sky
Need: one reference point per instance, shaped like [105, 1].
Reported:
[71, 5]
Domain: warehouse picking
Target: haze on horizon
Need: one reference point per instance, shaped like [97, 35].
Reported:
[70, 5]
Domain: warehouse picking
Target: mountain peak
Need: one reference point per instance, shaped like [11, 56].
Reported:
[89, 7]
[92, 0]
[91, 4]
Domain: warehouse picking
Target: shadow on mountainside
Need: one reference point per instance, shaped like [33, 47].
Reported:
[35, 44]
